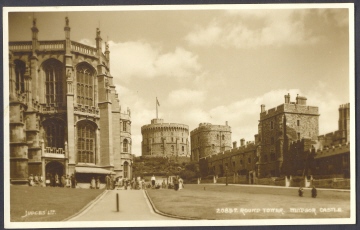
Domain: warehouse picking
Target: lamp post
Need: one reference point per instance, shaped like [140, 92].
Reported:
[226, 172]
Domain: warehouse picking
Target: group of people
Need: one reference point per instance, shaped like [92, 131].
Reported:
[53, 180]
[178, 183]
[35, 180]
[313, 192]
[95, 183]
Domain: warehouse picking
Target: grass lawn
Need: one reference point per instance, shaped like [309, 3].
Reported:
[245, 202]
[47, 203]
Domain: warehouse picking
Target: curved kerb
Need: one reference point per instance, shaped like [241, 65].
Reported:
[166, 214]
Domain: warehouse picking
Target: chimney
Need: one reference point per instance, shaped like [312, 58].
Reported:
[242, 142]
[234, 144]
[262, 108]
[226, 123]
[301, 100]
[287, 98]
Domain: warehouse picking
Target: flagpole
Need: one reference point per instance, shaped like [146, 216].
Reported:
[156, 108]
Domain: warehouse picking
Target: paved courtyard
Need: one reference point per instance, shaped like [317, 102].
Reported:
[133, 205]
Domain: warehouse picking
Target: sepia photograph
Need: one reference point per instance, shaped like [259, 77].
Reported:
[179, 115]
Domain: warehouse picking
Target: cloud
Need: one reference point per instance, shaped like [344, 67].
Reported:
[186, 97]
[251, 29]
[142, 60]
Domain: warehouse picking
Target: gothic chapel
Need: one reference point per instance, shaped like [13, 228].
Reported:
[65, 115]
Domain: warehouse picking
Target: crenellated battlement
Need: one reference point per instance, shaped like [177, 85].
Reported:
[298, 107]
[345, 106]
[208, 127]
[290, 108]
[232, 152]
[333, 150]
[164, 126]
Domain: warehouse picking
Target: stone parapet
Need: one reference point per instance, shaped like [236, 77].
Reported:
[290, 108]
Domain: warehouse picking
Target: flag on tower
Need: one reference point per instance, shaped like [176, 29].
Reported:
[157, 102]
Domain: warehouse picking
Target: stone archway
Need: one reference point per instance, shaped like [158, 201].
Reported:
[54, 167]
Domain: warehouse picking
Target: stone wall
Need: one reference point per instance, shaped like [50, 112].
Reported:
[209, 139]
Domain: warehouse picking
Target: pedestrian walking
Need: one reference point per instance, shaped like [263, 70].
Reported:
[63, 181]
[73, 181]
[176, 183]
[107, 180]
[98, 183]
[181, 183]
[68, 181]
[93, 183]
[301, 191]
[57, 181]
[47, 180]
[153, 181]
[313, 192]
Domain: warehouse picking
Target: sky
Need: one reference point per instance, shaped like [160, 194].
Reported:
[213, 65]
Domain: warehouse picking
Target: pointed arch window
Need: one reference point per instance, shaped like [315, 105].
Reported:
[86, 143]
[53, 81]
[55, 133]
[19, 76]
[85, 85]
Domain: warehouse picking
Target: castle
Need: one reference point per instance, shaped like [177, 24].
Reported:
[165, 139]
[209, 139]
[65, 116]
[287, 143]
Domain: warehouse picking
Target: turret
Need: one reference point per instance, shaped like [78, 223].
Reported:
[35, 32]
[242, 142]
[234, 144]
[287, 98]
[67, 36]
[98, 41]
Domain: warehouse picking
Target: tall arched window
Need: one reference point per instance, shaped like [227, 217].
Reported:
[172, 149]
[53, 81]
[126, 169]
[54, 131]
[19, 76]
[125, 146]
[85, 85]
[86, 143]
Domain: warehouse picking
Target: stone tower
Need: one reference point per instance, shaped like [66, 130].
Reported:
[209, 139]
[344, 122]
[165, 139]
[278, 127]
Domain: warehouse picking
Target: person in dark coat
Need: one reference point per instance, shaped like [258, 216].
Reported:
[107, 180]
[313, 192]
[73, 181]
[176, 183]
[301, 191]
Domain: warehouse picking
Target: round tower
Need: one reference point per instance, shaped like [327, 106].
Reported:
[165, 139]
[209, 139]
